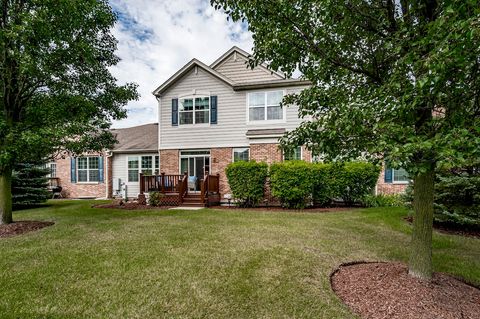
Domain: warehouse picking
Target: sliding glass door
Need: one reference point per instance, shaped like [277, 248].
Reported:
[197, 165]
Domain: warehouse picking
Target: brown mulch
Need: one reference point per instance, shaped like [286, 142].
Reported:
[130, 206]
[451, 229]
[281, 209]
[385, 290]
[22, 227]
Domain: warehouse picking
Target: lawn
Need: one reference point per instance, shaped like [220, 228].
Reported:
[102, 263]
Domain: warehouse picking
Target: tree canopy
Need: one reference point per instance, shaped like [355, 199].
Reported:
[392, 80]
[56, 88]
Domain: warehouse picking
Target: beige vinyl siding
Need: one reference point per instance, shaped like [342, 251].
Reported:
[232, 115]
[119, 170]
[239, 71]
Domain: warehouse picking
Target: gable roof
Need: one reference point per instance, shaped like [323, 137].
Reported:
[142, 138]
[245, 55]
[186, 68]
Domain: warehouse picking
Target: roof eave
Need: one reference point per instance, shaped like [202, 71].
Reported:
[270, 84]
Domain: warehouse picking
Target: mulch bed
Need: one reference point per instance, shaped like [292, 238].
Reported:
[22, 227]
[130, 206]
[451, 229]
[281, 209]
[385, 290]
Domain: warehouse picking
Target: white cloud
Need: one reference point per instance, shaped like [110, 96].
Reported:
[158, 37]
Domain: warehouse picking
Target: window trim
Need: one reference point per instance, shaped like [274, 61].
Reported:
[301, 155]
[265, 106]
[154, 168]
[88, 169]
[398, 182]
[193, 97]
[237, 148]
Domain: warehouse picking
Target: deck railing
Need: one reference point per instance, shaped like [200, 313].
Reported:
[208, 186]
[162, 183]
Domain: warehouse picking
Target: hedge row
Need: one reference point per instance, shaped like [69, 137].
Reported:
[298, 184]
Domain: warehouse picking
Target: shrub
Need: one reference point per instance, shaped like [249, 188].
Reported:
[457, 197]
[382, 200]
[247, 181]
[29, 185]
[155, 198]
[356, 180]
[292, 182]
[325, 183]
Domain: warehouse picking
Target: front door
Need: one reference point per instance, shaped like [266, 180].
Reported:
[197, 165]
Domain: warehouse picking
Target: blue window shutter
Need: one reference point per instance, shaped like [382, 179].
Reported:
[73, 170]
[100, 169]
[213, 110]
[388, 174]
[174, 112]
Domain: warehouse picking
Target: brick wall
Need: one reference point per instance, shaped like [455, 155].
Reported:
[389, 188]
[169, 162]
[220, 158]
[76, 190]
[268, 153]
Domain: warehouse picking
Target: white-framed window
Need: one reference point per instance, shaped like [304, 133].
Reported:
[293, 154]
[145, 164]
[400, 176]
[194, 110]
[241, 154]
[265, 106]
[88, 169]
[52, 169]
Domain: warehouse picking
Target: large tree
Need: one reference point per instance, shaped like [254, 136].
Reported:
[395, 79]
[56, 89]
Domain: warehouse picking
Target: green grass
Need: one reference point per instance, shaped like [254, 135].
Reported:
[100, 263]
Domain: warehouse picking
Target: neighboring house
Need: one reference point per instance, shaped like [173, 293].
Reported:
[103, 175]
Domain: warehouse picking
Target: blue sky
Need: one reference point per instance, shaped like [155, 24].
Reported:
[157, 37]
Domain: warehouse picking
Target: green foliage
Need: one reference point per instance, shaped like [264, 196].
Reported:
[56, 89]
[357, 179]
[327, 183]
[381, 200]
[292, 182]
[457, 197]
[29, 185]
[155, 199]
[247, 181]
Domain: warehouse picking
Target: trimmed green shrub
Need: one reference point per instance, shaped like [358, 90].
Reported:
[29, 185]
[292, 183]
[357, 180]
[393, 200]
[247, 181]
[155, 198]
[327, 183]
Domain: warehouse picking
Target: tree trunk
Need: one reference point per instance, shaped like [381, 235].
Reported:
[421, 248]
[6, 196]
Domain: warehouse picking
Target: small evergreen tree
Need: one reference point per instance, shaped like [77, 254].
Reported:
[29, 185]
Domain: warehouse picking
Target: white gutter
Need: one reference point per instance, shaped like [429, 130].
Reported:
[108, 154]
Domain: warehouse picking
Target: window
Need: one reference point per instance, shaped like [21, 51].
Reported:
[88, 169]
[293, 154]
[157, 164]
[194, 110]
[133, 167]
[147, 165]
[53, 170]
[400, 176]
[265, 106]
[241, 154]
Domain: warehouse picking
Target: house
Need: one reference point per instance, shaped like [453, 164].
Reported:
[212, 115]
[208, 117]
[110, 173]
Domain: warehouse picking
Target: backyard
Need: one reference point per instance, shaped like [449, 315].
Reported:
[107, 263]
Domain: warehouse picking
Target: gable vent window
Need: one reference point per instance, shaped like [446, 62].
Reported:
[194, 110]
[265, 106]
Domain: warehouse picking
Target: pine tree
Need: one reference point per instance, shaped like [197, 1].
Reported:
[29, 185]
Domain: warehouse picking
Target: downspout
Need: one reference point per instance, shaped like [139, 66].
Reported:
[159, 100]
[108, 180]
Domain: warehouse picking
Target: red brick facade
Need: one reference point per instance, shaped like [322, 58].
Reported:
[388, 188]
[169, 162]
[220, 158]
[268, 153]
[77, 190]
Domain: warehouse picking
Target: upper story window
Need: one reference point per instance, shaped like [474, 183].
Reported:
[265, 106]
[194, 110]
[88, 169]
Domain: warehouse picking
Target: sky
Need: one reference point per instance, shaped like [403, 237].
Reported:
[157, 37]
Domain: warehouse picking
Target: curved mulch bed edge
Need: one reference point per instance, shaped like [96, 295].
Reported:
[22, 227]
[377, 290]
